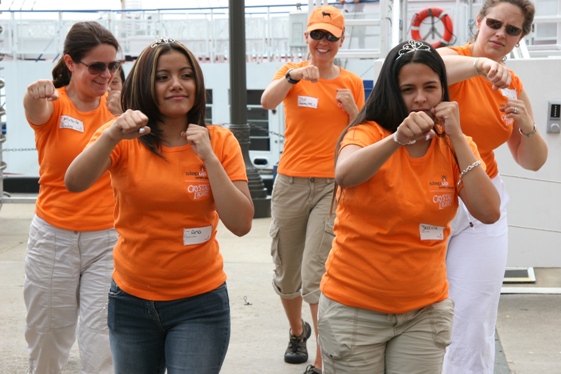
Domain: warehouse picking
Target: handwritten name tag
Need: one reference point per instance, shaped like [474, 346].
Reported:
[196, 235]
[431, 232]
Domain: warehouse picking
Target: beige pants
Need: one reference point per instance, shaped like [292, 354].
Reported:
[67, 278]
[302, 234]
[360, 341]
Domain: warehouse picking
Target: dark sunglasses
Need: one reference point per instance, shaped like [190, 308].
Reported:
[495, 24]
[319, 34]
[99, 67]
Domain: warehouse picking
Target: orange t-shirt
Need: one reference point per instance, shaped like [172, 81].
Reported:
[480, 115]
[166, 217]
[391, 231]
[314, 122]
[58, 142]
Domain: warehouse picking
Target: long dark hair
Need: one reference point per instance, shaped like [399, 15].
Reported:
[139, 92]
[385, 104]
[81, 38]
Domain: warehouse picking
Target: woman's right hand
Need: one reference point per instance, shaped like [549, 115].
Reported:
[495, 72]
[307, 73]
[42, 89]
[417, 125]
[130, 125]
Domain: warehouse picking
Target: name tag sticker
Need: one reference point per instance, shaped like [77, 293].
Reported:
[431, 232]
[196, 235]
[67, 122]
[308, 102]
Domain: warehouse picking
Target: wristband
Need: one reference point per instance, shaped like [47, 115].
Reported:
[289, 79]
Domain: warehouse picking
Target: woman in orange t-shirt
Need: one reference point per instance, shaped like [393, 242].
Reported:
[69, 254]
[173, 178]
[477, 254]
[401, 165]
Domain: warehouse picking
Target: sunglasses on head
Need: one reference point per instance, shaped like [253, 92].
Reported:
[319, 34]
[495, 24]
[99, 67]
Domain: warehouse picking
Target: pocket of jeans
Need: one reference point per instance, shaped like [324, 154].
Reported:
[442, 315]
[114, 289]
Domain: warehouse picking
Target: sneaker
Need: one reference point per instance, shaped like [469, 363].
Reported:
[311, 369]
[297, 353]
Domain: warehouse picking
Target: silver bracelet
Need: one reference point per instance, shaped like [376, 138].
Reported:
[467, 170]
[475, 67]
[528, 134]
[400, 143]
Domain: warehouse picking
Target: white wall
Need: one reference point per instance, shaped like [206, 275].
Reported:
[534, 211]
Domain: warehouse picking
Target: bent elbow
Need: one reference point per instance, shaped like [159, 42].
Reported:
[242, 230]
[267, 105]
[72, 185]
[490, 216]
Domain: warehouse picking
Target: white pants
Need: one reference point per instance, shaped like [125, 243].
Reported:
[67, 275]
[476, 263]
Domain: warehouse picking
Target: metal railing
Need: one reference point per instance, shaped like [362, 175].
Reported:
[273, 33]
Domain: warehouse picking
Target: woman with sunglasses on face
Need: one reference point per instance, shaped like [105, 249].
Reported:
[173, 177]
[494, 109]
[320, 99]
[69, 257]
[402, 164]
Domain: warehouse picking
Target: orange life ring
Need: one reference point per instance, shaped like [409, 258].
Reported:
[434, 13]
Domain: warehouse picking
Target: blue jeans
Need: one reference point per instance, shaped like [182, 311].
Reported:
[189, 335]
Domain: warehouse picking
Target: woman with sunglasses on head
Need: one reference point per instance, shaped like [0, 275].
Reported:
[69, 257]
[494, 109]
[401, 166]
[320, 99]
[173, 178]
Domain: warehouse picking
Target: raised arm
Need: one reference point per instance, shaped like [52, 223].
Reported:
[460, 68]
[476, 189]
[276, 91]
[94, 160]
[232, 198]
[355, 165]
[528, 147]
[37, 101]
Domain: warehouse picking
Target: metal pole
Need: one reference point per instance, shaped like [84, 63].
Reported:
[238, 105]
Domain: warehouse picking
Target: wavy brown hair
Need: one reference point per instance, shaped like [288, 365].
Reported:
[139, 90]
[81, 38]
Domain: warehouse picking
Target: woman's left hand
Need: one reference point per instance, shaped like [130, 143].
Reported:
[447, 114]
[197, 136]
[516, 109]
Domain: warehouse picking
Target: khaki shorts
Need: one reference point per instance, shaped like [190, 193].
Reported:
[360, 341]
[302, 234]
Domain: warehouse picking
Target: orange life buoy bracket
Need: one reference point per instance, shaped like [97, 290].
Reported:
[436, 14]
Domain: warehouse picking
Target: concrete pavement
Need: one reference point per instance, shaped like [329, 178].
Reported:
[529, 325]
